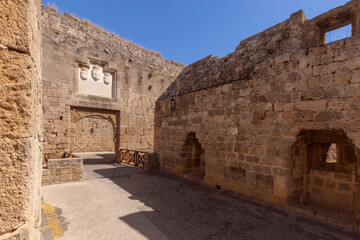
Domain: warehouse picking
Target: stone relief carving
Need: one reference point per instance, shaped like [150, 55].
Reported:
[84, 73]
[96, 72]
[107, 78]
[95, 79]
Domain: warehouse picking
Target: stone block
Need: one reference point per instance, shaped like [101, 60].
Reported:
[265, 183]
[65, 162]
[325, 116]
[241, 147]
[281, 172]
[282, 58]
[298, 18]
[76, 177]
[326, 80]
[270, 160]
[66, 178]
[332, 67]
[52, 163]
[319, 70]
[262, 169]
[342, 78]
[352, 90]
[318, 105]
[344, 186]
[281, 187]
[241, 157]
[343, 176]
[278, 98]
[319, 182]
[313, 94]
[63, 171]
[330, 184]
[252, 159]
[313, 82]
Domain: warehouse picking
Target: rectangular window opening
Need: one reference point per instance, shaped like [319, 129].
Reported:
[332, 154]
[338, 34]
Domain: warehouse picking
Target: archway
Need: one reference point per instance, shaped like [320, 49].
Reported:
[94, 130]
[193, 161]
[93, 133]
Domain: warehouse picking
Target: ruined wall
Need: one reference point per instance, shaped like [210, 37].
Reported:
[21, 119]
[248, 109]
[139, 77]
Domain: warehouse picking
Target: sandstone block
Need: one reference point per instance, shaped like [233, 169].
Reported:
[318, 105]
[282, 58]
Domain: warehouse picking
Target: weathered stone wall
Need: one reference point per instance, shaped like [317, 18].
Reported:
[92, 130]
[334, 189]
[21, 119]
[140, 77]
[93, 134]
[248, 109]
[62, 170]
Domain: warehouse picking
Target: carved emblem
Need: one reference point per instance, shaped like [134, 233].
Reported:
[96, 73]
[84, 73]
[107, 78]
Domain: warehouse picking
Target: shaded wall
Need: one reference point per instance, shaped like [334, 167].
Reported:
[248, 108]
[21, 119]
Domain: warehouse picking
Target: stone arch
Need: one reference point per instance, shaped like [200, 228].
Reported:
[93, 130]
[192, 158]
[77, 116]
[316, 181]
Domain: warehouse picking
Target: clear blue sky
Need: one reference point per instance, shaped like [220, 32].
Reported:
[188, 30]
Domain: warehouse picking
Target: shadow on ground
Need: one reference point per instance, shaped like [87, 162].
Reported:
[184, 210]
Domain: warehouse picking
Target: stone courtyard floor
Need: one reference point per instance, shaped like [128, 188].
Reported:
[123, 202]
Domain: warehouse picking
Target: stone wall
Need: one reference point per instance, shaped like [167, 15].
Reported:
[139, 77]
[93, 134]
[247, 111]
[21, 119]
[333, 189]
[62, 170]
[92, 130]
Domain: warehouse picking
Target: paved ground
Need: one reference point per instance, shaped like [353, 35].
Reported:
[96, 157]
[122, 202]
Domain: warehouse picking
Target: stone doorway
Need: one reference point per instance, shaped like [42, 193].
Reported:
[193, 161]
[326, 171]
[93, 130]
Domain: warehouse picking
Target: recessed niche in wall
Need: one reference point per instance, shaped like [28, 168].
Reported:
[96, 79]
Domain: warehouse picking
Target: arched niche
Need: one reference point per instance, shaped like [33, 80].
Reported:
[192, 158]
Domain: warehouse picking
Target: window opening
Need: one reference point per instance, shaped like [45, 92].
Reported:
[332, 154]
[338, 34]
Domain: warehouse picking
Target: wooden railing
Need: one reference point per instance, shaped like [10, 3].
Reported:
[132, 157]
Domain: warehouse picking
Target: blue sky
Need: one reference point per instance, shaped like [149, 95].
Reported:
[188, 30]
